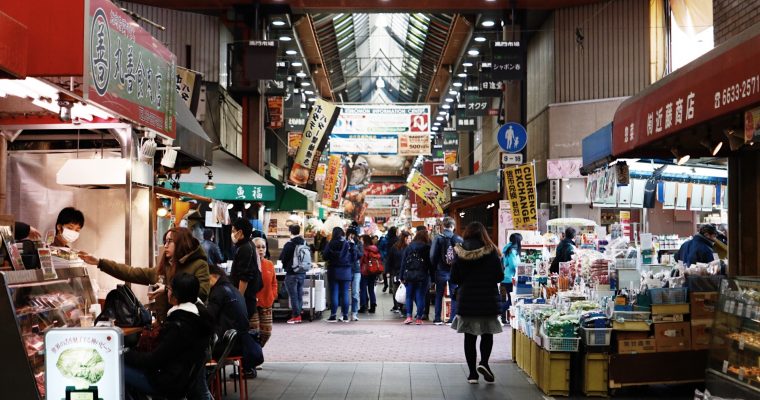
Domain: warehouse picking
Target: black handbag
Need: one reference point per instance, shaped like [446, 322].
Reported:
[122, 306]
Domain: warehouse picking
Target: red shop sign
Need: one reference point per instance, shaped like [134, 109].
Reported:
[723, 81]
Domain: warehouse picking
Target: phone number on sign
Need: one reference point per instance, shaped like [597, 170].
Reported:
[741, 90]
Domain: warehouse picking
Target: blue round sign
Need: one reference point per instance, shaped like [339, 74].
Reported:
[512, 137]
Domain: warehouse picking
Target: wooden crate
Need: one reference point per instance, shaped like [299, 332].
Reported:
[534, 356]
[515, 332]
[670, 308]
[526, 353]
[554, 374]
[518, 349]
[595, 377]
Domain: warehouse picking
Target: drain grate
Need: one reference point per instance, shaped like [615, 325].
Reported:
[351, 332]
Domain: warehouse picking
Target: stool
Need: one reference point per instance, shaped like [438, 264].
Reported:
[237, 366]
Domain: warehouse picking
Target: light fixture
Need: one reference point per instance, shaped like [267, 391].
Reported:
[305, 84]
[445, 106]
[296, 64]
[291, 52]
[453, 92]
[308, 92]
[449, 100]
[210, 182]
[473, 52]
[439, 118]
[436, 123]
[278, 22]
[480, 39]
[454, 194]
[467, 64]
[312, 99]
[285, 38]
[461, 214]
[442, 112]
[714, 147]
[462, 74]
[457, 84]
[230, 206]
[488, 23]
[301, 74]
[680, 159]
[247, 205]
[380, 83]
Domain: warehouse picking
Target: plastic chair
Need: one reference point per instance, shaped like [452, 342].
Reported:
[214, 374]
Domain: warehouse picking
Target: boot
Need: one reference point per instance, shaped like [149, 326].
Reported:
[372, 308]
[362, 310]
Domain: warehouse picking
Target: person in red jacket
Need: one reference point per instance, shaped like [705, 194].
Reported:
[262, 318]
[367, 283]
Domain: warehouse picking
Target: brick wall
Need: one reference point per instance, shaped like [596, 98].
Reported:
[731, 17]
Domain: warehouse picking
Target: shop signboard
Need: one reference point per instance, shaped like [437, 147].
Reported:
[383, 201]
[465, 123]
[127, 70]
[512, 137]
[294, 122]
[520, 184]
[294, 142]
[318, 126]
[189, 87]
[507, 61]
[414, 144]
[428, 191]
[278, 86]
[751, 125]
[382, 188]
[476, 106]
[723, 81]
[383, 119]
[489, 86]
[563, 168]
[450, 147]
[381, 214]
[331, 193]
[374, 144]
[84, 363]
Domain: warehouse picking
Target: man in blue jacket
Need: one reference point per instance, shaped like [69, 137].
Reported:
[442, 257]
[293, 280]
[699, 249]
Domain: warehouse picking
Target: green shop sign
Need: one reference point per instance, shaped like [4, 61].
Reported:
[226, 191]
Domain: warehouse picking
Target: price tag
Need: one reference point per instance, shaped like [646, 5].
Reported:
[725, 366]
[740, 309]
[741, 344]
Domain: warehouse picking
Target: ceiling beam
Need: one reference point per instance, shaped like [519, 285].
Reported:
[307, 39]
[458, 38]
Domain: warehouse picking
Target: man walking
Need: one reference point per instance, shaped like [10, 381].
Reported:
[294, 274]
[442, 257]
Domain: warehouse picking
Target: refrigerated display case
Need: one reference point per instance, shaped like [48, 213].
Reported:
[733, 369]
[30, 306]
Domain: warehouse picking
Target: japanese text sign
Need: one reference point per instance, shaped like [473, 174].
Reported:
[127, 70]
[508, 61]
[428, 191]
[450, 147]
[476, 106]
[520, 183]
[414, 144]
[331, 194]
[318, 125]
[488, 86]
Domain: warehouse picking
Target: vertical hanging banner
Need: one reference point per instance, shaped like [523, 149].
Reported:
[450, 147]
[189, 87]
[127, 70]
[331, 194]
[275, 105]
[520, 183]
[427, 190]
[318, 126]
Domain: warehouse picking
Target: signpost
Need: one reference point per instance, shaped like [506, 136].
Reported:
[512, 137]
[511, 159]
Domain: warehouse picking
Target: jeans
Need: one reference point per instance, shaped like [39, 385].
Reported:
[355, 285]
[416, 291]
[339, 289]
[199, 389]
[368, 290]
[136, 379]
[441, 279]
[294, 286]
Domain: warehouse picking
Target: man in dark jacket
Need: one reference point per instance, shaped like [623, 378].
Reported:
[245, 273]
[213, 253]
[341, 255]
[565, 250]
[293, 280]
[352, 235]
[177, 364]
[442, 257]
[699, 249]
[227, 308]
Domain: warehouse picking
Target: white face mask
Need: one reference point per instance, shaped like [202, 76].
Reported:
[70, 236]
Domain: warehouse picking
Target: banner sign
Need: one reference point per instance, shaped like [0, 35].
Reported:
[383, 119]
[189, 87]
[331, 194]
[489, 86]
[520, 183]
[476, 106]
[507, 61]
[388, 201]
[318, 125]
[276, 107]
[294, 142]
[428, 191]
[127, 70]
[564, 168]
[414, 144]
[450, 147]
[374, 144]
[382, 188]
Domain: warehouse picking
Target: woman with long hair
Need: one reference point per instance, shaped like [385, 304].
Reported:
[341, 256]
[477, 270]
[510, 260]
[384, 245]
[393, 266]
[416, 270]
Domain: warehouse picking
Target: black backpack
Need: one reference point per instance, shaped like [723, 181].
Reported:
[122, 306]
[448, 255]
[414, 268]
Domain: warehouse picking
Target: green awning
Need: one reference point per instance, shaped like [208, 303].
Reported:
[484, 182]
[287, 199]
[233, 181]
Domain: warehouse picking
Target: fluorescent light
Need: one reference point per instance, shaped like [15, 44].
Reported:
[457, 84]
[285, 38]
[480, 39]
[442, 112]
[301, 74]
[462, 75]
[312, 99]
[488, 23]
[296, 64]
[449, 100]
[445, 106]
[473, 52]
[291, 52]
[305, 84]
[467, 64]
[436, 123]
[308, 92]
[439, 118]
[453, 92]
[278, 22]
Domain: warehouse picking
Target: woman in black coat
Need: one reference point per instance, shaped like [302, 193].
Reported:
[393, 265]
[478, 272]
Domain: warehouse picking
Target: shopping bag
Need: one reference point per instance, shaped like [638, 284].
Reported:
[401, 294]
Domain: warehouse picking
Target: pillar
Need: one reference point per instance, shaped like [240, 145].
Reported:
[743, 214]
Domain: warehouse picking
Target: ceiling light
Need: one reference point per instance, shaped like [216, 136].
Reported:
[449, 100]
[308, 92]
[301, 74]
[278, 22]
[291, 52]
[296, 64]
[480, 39]
[445, 106]
[442, 113]
[247, 205]
[473, 52]
[488, 23]
[680, 159]
[162, 212]
[462, 75]
[436, 123]
[210, 182]
[285, 38]
[439, 118]
[230, 206]
[714, 147]
[305, 84]
[467, 64]
[312, 99]
[453, 92]
[457, 84]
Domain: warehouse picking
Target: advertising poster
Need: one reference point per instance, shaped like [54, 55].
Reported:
[389, 201]
[428, 191]
[751, 125]
[414, 144]
[318, 126]
[373, 119]
[84, 363]
[520, 184]
[294, 141]
[374, 144]
[450, 147]
[331, 193]
[276, 107]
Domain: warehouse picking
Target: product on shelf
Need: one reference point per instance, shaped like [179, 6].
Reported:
[748, 338]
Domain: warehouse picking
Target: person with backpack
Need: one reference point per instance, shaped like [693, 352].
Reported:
[510, 261]
[393, 266]
[415, 273]
[245, 273]
[296, 260]
[477, 271]
[442, 256]
[341, 257]
[356, 273]
[371, 266]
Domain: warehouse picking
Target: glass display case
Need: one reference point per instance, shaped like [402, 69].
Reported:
[30, 305]
[734, 363]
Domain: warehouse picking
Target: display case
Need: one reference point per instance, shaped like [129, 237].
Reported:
[31, 305]
[734, 361]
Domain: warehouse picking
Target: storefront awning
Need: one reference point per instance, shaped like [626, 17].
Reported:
[233, 180]
[597, 149]
[475, 184]
[286, 199]
[191, 138]
[722, 82]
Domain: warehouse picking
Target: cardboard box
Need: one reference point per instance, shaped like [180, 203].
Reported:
[661, 318]
[659, 309]
[675, 336]
[631, 335]
[701, 333]
[703, 305]
[637, 346]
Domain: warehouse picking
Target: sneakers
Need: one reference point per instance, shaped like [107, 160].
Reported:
[332, 319]
[472, 379]
[295, 320]
[438, 322]
[344, 319]
[448, 323]
[486, 372]
[248, 373]
[408, 321]
[418, 321]
[354, 317]
[395, 310]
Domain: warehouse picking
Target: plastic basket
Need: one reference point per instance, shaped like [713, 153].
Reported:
[596, 336]
[560, 344]
[669, 295]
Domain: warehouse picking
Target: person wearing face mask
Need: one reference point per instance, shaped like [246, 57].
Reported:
[245, 273]
[70, 221]
[182, 253]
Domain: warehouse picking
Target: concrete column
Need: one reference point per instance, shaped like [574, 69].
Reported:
[743, 214]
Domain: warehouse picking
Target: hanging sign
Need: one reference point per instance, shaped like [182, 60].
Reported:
[488, 86]
[318, 125]
[512, 137]
[387, 201]
[476, 106]
[331, 193]
[507, 61]
[414, 144]
[276, 107]
[382, 188]
[428, 191]
[374, 144]
[450, 147]
[189, 87]
[520, 185]
[278, 86]
[127, 69]
[384, 119]
[465, 123]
